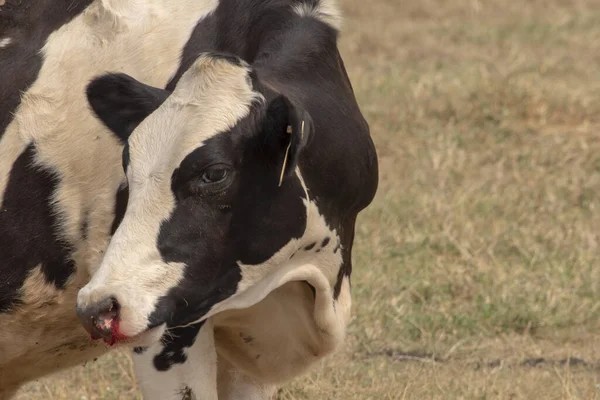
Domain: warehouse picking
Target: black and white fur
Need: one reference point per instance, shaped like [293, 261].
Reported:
[60, 168]
[64, 194]
[244, 186]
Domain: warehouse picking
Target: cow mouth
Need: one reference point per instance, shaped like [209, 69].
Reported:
[108, 330]
[106, 326]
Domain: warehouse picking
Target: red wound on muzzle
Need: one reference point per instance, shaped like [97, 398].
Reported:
[102, 321]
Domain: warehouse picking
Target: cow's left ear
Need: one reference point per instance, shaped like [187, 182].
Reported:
[289, 129]
[122, 103]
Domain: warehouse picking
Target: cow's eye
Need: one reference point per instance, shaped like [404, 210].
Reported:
[215, 175]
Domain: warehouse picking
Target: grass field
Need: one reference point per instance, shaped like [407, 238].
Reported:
[477, 268]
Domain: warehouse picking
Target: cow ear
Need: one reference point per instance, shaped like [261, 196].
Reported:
[289, 129]
[122, 102]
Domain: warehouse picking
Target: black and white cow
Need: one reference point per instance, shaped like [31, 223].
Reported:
[230, 268]
[60, 168]
[245, 177]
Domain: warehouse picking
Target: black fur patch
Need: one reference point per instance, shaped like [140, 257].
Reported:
[85, 224]
[187, 393]
[125, 157]
[120, 207]
[261, 220]
[29, 230]
[174, 344]
[253, 21]
[122, 103]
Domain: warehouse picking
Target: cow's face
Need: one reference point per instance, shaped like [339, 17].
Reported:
[213, 187]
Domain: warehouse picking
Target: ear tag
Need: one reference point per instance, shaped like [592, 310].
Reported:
[285, 159]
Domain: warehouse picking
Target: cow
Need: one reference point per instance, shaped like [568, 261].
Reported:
[60, 168]
[229, 272]
[64, 191]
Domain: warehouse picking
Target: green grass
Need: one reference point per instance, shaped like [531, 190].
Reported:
[482, 245]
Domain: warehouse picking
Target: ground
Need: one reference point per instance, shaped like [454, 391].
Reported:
[477, 272]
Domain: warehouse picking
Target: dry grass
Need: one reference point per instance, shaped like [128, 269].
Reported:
[480, 253]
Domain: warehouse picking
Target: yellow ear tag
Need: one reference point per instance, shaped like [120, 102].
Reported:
[287, 152]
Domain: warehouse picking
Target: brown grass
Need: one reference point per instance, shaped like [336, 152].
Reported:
[477, 267]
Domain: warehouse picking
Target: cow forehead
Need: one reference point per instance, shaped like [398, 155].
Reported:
[211, 98]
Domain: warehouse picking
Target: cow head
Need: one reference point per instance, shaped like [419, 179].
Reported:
[215, 197]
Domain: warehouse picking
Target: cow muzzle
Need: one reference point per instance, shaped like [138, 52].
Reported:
[101, 320]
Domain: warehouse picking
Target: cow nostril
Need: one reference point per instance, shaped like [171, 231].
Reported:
[106, 318]
[100, 319]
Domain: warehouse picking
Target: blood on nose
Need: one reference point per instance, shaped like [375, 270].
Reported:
[101, 320]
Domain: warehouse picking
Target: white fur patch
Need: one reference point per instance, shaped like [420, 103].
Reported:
[4, 42]
[326, 11]
[233, 384]
[198, 372]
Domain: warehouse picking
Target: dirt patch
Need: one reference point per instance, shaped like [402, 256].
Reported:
[397, 355]
[404, 356]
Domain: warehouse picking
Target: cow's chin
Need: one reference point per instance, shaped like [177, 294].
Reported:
[146, 338]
